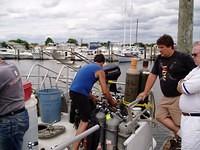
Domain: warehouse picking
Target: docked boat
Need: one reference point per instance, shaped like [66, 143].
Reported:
[25, 55]
[7, 53]
[125, 55]
[124, 130]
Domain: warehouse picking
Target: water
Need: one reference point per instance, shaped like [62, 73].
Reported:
[159, 132]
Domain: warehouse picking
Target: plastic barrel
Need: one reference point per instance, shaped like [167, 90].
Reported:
[50, 105]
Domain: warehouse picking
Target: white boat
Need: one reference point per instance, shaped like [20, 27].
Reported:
[20, 51]
[133, 132]
[7, 53]
[125, 55]
[37, 53]
[25, 55]
[43, 52]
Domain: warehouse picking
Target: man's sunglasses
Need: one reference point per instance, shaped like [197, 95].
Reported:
[194, 54]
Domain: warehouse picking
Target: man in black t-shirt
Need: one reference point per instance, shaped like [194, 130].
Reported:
[170, 66]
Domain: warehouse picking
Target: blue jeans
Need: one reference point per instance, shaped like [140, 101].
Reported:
[12, 130]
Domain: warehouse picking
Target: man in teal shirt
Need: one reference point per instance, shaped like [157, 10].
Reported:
[80, 91]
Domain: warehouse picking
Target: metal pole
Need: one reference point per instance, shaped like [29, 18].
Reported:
[76, 138]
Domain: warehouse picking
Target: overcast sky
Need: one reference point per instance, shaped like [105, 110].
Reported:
[90, 20]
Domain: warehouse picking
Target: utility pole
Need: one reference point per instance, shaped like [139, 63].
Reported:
[185, 25]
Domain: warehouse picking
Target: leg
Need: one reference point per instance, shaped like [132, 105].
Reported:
[5, 134]
[83, 105]
[12, 129]
[19, 127]
[82, 127]
[168, 122]
[168, 113]
[190, 131]
[175, 114]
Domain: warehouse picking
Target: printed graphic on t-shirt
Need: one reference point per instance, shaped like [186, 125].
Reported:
[166, 71]
[15, 80]
[16, 73]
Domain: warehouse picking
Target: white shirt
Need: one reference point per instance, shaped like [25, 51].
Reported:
[190, 99]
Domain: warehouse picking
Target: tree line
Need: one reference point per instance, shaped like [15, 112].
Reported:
[49, 41]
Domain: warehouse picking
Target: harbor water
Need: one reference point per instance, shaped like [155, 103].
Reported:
[160, 133]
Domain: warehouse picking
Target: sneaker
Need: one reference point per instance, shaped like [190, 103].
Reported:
[175, 143]
[178, 141]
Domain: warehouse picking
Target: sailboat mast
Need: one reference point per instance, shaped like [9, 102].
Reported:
[131, 20]
[125, 12]
[136, 33]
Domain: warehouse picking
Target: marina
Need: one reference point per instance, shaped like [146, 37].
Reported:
[49, 67]
[70, 52]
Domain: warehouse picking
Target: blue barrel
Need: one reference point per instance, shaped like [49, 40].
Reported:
[50, 105]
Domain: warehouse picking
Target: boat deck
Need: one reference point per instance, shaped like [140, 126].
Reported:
[69, 132]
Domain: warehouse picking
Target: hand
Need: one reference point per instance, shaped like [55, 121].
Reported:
[142, 95]
[179, 86]
[113, 102]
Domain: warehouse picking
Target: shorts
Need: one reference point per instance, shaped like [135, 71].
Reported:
[169, 107]
[82, 104]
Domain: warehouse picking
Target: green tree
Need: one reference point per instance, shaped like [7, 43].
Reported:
[25, 43]
[73, 41]
[4, 44]
[48, 40]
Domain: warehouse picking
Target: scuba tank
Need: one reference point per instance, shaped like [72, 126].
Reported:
[132, 82]
[125, 130]
[112, 133]
[102, 122]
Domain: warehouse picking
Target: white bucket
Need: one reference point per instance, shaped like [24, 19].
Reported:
[31, 134]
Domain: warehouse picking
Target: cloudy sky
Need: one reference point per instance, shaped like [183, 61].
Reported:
[90, 20]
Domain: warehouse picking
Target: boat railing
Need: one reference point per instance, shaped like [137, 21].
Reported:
[79, 137]
[43, 77]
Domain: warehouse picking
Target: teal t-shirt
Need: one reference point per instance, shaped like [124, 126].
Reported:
[85, 79]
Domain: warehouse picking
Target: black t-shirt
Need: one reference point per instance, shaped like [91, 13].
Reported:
[172, 69]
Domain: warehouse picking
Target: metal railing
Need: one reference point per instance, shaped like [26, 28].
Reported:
[76, 138]
[43, 77]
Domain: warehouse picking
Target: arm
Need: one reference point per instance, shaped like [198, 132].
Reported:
[102, 80]
[149, 84]
[190, 84]
[179, 86]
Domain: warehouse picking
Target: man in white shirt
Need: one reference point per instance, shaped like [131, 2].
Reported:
[190, 104]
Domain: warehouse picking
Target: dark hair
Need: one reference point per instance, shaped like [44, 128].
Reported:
[166, 40]
[99, 58]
